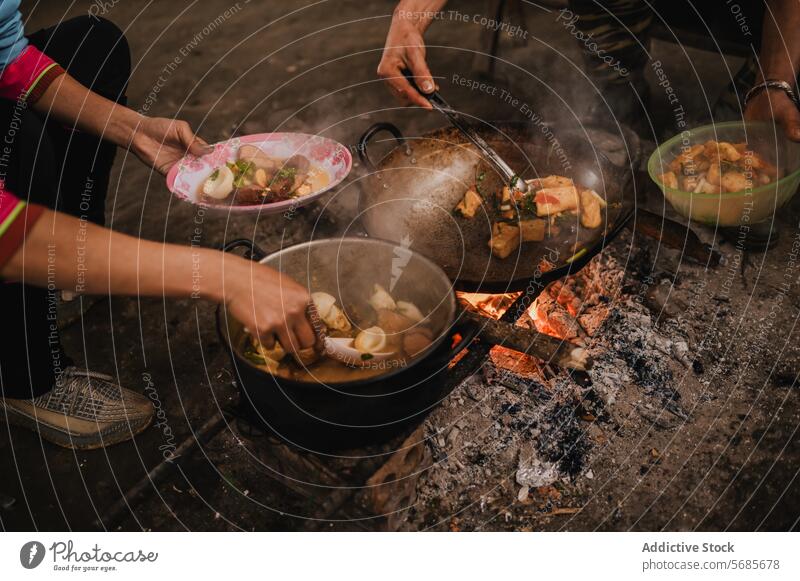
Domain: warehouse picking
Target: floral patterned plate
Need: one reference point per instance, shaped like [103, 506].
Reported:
[186, 177]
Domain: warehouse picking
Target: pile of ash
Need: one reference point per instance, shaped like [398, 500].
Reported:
[504, 439]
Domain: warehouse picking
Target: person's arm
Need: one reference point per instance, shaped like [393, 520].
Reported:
[405, 50]
[35, 80]
[67, 253]
[780, 60]
[158, 142]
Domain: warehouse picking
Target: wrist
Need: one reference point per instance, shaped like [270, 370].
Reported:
[415, 15]
[216, 275]
[771, 87]
[208, 273]
[123, 127]
[778, 72]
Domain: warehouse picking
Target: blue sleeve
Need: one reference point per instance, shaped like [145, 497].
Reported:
[12, 34]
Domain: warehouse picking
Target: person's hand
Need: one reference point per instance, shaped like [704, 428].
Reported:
[269, 304]
[160, 142]
[774, 104]
[405, 50]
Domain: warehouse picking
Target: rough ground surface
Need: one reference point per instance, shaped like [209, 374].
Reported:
[691, 417]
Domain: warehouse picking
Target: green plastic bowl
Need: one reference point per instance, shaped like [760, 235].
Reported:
[735, 208]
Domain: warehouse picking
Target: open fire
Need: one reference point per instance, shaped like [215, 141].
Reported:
[572, 309]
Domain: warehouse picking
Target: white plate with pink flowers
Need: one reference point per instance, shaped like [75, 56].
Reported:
[264, 177]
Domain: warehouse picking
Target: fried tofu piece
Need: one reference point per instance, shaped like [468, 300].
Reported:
[714, 172]
[469, 204]
[551, 201]
[505, 239]
[550, 182]
[507, 211]
[686, 158]
[706, 187]
[734, 181]
[669, 179]
[258, 158]
[591, 212]
[532, 230]
[728, 152]
[689, 183]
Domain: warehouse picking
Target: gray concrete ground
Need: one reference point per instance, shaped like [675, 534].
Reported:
[283, 66]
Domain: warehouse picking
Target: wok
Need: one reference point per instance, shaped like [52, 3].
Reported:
[409, 197]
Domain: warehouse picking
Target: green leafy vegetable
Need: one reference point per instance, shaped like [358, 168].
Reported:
[245, 167]
[255, 358]
[366, 356]
[481, 176]
[528, 203]
[287, 173]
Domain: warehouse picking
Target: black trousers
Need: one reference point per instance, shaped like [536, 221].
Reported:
[66, 170]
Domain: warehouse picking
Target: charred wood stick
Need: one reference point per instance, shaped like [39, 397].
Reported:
[555, 351]
[674, 235]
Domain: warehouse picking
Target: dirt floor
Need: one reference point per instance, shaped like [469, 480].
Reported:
[725, 457]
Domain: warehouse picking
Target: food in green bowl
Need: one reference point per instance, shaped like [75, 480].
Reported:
[727, 174]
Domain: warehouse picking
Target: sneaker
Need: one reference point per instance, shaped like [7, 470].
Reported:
[85, 410]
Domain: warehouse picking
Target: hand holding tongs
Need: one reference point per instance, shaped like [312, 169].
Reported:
[455, 118]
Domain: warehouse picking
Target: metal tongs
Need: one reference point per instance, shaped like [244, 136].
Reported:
[457, 120]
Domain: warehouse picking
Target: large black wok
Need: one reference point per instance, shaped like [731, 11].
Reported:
[332, 416]
[410, 195]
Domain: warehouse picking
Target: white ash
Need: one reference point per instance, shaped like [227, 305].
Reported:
[535, 472]
[501, 436]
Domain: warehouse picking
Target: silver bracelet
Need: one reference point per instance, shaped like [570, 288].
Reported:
[772, 84]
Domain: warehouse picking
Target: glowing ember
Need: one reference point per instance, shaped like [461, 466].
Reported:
[515, 362]
[486, 304]
[571, 309]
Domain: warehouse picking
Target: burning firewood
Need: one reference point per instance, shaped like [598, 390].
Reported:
[552, 319]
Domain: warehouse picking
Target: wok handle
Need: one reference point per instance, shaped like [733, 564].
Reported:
[369, 134]
[253, 251]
